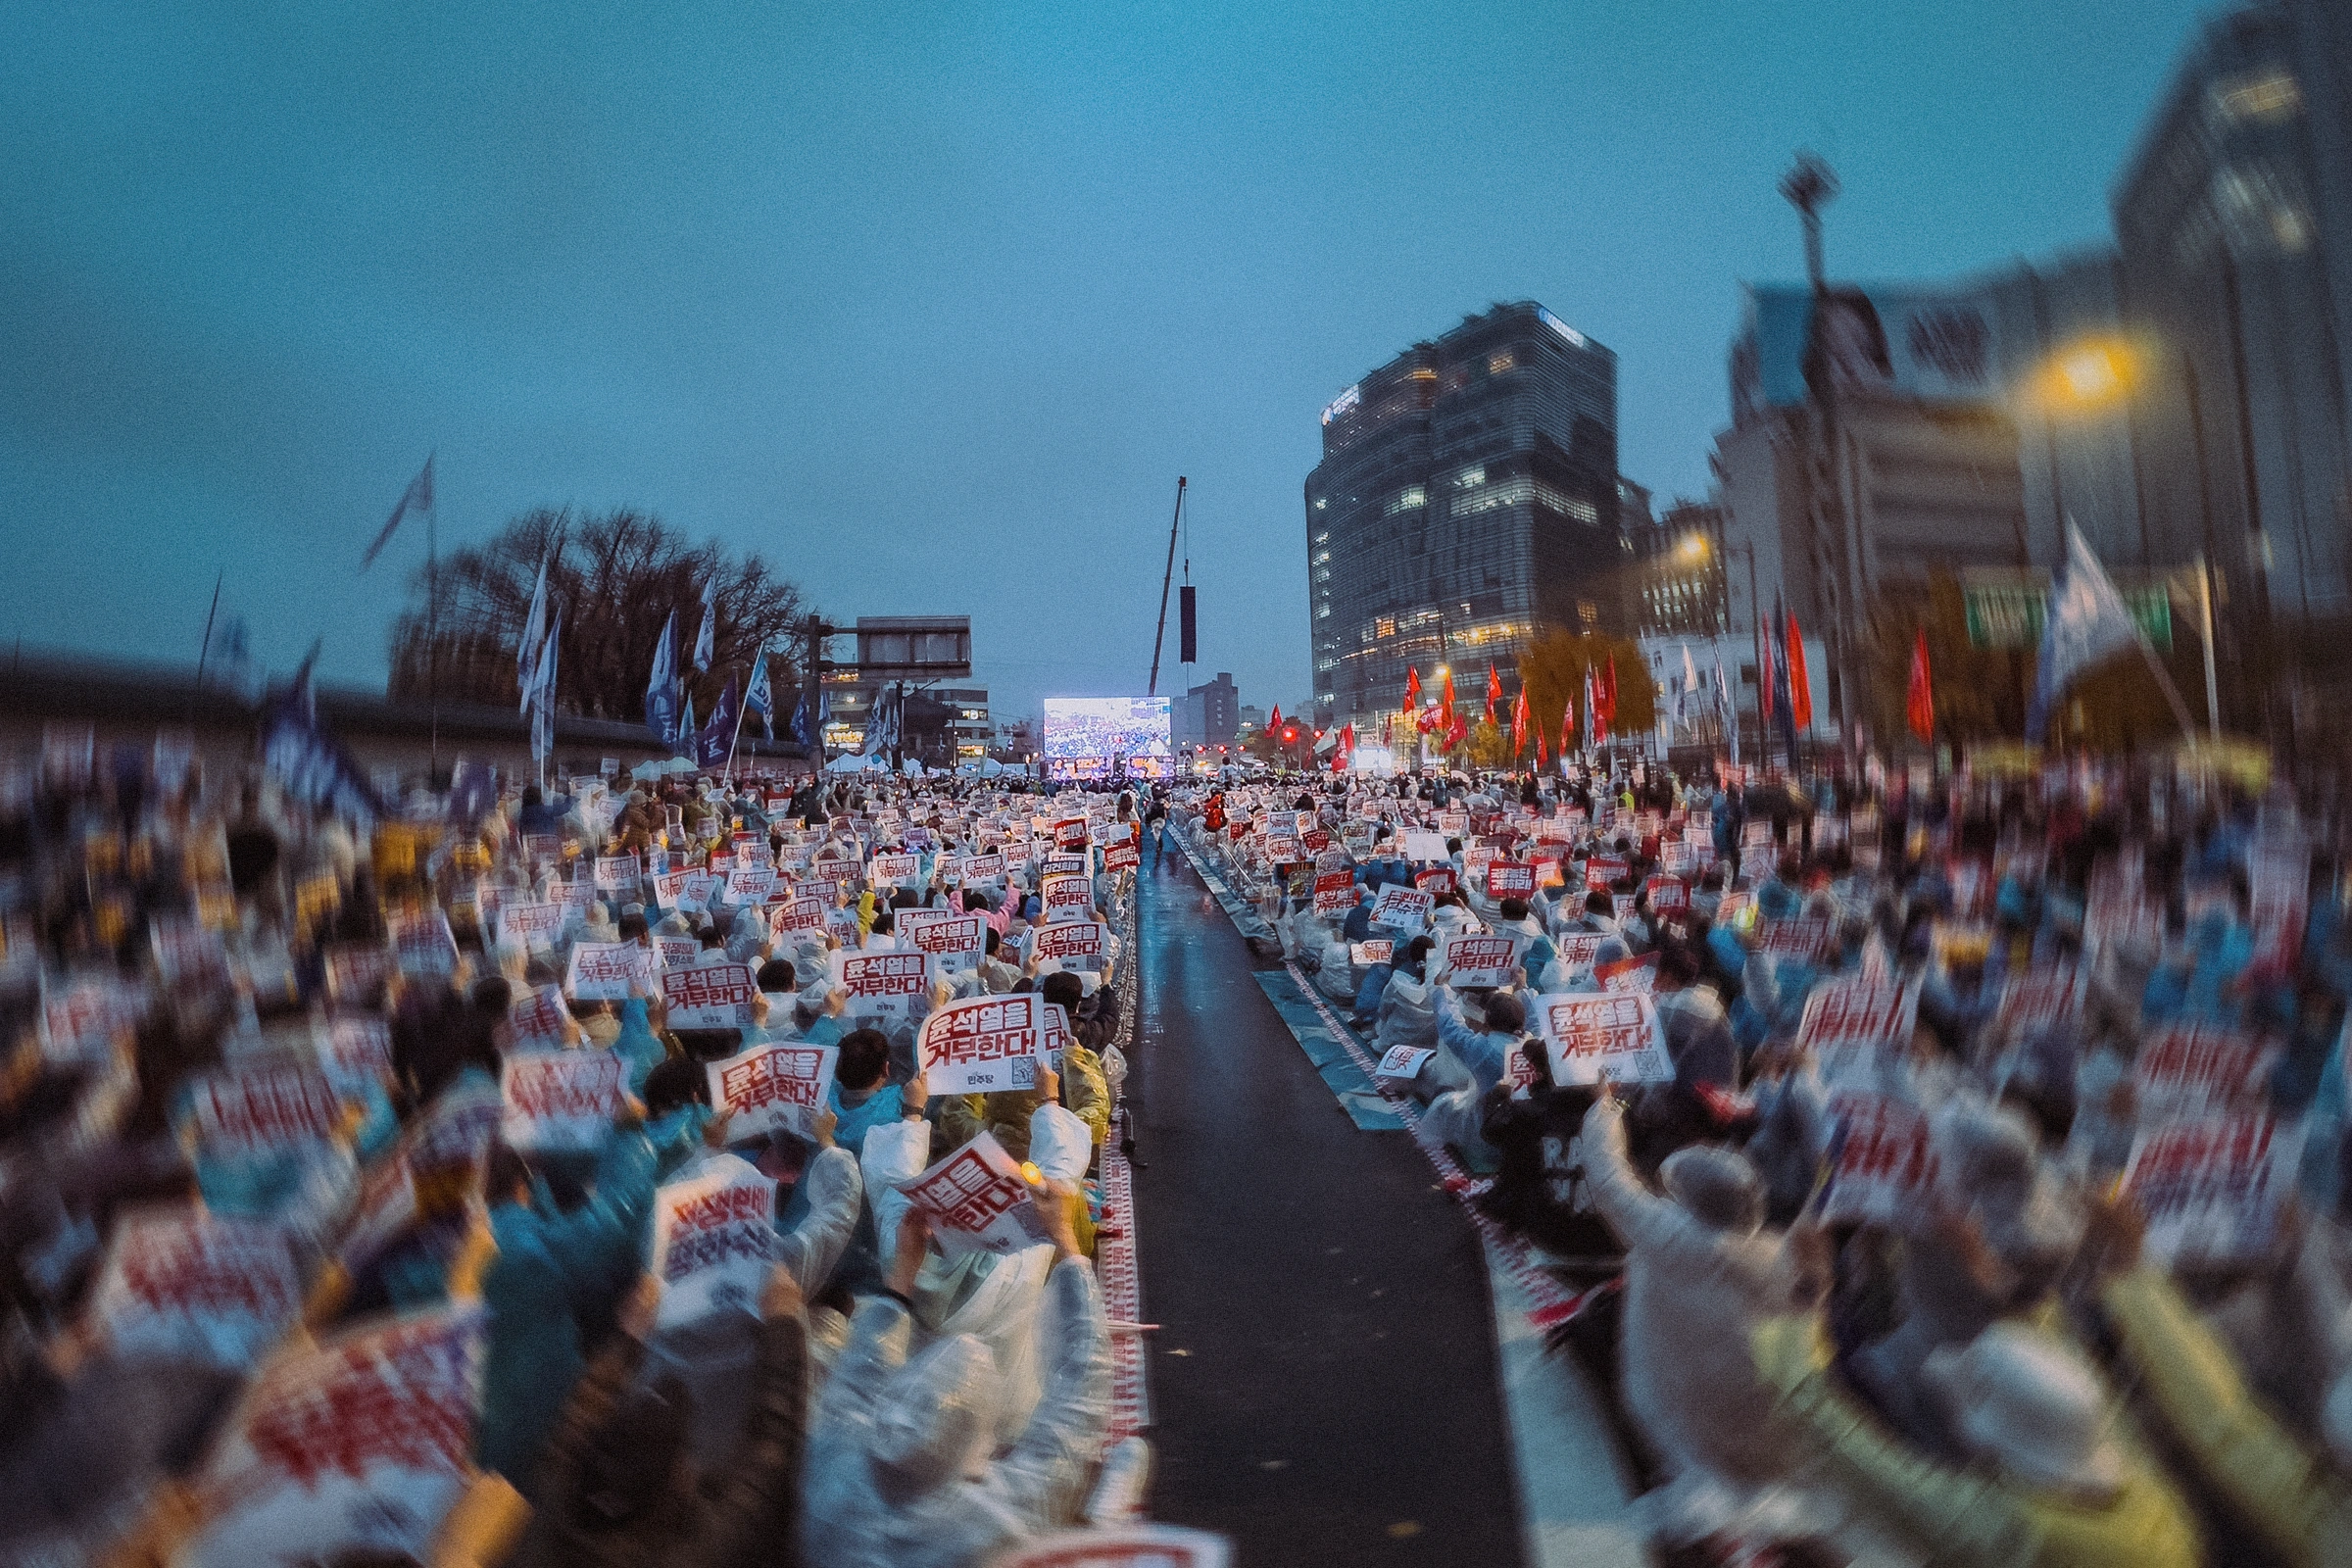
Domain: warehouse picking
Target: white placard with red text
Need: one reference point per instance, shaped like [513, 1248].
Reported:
[977, 1201]
[714, 1238]
[710, 996]
[774, 1088]
[559, 1100]
[1478, 960]
[881, 985]
[1614, 1037]
[981, 1045]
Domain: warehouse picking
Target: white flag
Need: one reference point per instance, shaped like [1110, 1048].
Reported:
[709, 635]
[534, 634]
[2087, 620]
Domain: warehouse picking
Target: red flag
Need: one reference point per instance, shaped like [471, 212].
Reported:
[1597, 717]
[1275, 723]
[1519, 723]
[1446, 701]
[1348, 737]
[1922, 703]
[1457, 730]
[1608, 693]
[1801, 687]
[1412, 686]
[1433, 720]
[1567, 726]
[1494, 690]
[1540, 760]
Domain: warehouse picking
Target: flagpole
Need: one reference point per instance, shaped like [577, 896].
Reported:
[432, 632]
[205, 651]
[2212, 702]
[741, 707]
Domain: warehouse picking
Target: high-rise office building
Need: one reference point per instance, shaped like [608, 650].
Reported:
[1467, 502]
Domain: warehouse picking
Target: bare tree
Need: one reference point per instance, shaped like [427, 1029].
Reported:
[618, 576]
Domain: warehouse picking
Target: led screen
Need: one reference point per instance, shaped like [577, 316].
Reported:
[1088, 737]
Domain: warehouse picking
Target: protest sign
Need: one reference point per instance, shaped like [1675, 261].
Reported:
[676, 953]
[1452, 824]
[749, 884]
[356, 1050]
[531, 925]
[880, 984]
[1120, 1546]
[1858, 1028]
[1756, 834]
[1603, 871]
[2212, 1187]
[1062, 865]
[1614, 1038]
[1621, 906]
[603, 971]
[698, 887]
[1578, 950]
[1335, 895]
[252, 1110]
[1630, 974]
[714, 1236]
[2186, 1070]
[1881, 1159]
[1404, 1061]
[617, 874]
[356, 971]
[543, 847]
[956, 943]
[1547, 871]
[2033, 1002]
[1379, 949]
[977, 1201]
[186, 952]
[1669, 897]
[772, 1088]
[981, 1045]
[1422, 847]
[1070, 834]
[356, 1448]
[984, 867]
[1067, 897]
[185, 1285]
[540, 1015]
[1509, 880]
[1315, 840]
[1404, 910]
[1123, 856]
[1478, 960]
[710, 996]
[1678, 859]
[1437, 881]
[1808, 941]
[421, 942]
[560, 1100]
[892, 870]
[802, 913]
[81, 1019]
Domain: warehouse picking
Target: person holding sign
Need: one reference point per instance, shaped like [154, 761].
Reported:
[897, 1464]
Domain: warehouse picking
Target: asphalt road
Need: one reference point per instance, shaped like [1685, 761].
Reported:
[1324, 1383]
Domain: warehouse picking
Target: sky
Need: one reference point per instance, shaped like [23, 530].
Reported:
[929, 305]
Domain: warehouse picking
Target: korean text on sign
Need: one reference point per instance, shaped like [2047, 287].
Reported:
[714, 1236]
[772, 1088]
[1614, 1037]
[880, 984]
[981, 1045]
[559, 1100]
[977, 1201]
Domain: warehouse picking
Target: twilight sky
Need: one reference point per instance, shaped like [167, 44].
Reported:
[928, 304]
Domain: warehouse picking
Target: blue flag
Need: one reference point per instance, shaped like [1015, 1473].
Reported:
[661, 692]
[2087, 620]
[759, 698]
[311, 764]
[715, 740]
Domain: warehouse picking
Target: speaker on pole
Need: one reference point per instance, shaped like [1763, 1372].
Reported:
[1187, 632]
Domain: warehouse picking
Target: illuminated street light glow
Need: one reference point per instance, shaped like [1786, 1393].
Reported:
[2086, 377]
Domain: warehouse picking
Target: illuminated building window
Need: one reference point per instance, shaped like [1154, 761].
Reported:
[2267, 97]
[1322, 556]
[1385, 626]
[1405, 499]
[1318, 505]
[1424, 374]
[1471, 478]
[1496, 364]
[1324, 537]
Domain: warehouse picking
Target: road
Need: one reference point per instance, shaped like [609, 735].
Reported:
[1324, 1379]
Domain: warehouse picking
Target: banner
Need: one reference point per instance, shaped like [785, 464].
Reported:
[710, 996]
[1478, 960]
[559, 1100]
[714, 1238]
[1614, 1038]
[881, 985]
[774, 1088]
[183, 1285]
[977, 1201]
[981, 1045]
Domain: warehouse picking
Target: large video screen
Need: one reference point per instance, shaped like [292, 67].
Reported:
[1089, 737]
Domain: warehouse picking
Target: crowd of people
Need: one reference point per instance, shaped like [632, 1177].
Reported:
[1952, 1165]
[680, 1170]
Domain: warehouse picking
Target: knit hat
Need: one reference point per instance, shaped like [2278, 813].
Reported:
[1718, 1186]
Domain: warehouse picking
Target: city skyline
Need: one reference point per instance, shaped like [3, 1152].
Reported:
[258, 277]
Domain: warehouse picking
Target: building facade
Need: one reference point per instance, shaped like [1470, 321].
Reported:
[1467, 502]
[1209, 714]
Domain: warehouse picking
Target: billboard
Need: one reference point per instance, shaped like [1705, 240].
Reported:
[1086, 737]
[1938, 344]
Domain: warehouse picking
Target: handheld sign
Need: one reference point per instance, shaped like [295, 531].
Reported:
[1122, 1546]
[531, 925]
[772, 1088]
[1420, 846]
[802, 915]
[1284, 848]
[1070, 833]
[1809, 941]
[421, 942]
[617, 874]
[1404, 1061]
[954, 942]
[1062, 865]
[559, 1100]
[696, 889]
[880, 984]
[1438, 880]
[1123, 856]
[1403, 909]
[1578, 950]
[1670, 898]
[981, 1045]
[246, 1113]
[1881, 1159]
[1480, 960]
[1067, 898]
[185, 1285]
[1630, 974]
[1506, 880]
[1363, 955]
[356, 971]
[892, 870]
[710, 996]
[361, 1444]
[714, 1236]
[1601, 872]
[749, 884]
[2187, 1068]
[1858, 1028]
[2034, 1002]
[988, 867]
[978, 1202]
[540, 1016]
[1615, 1038]
[356, 1050]
[676, 953]
[1335, 895]
[2212, 1188]
[602, 971]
